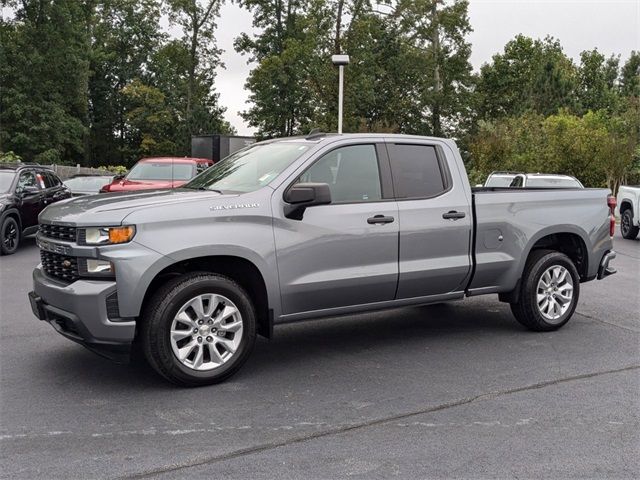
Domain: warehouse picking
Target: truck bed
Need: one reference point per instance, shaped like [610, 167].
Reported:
[509, 222]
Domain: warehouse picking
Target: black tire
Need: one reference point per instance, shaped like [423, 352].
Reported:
[9, 236]
[627, 229]
[526, 309]
[163, 307]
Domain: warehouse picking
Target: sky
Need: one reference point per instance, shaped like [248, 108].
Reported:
[611, 26]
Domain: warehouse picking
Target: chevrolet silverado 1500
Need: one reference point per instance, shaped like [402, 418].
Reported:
[299, 228]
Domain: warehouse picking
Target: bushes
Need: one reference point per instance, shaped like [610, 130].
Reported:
[115, 169]
[9, 157]
[599, 149]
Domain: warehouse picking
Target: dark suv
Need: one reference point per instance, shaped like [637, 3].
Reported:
[25, 190]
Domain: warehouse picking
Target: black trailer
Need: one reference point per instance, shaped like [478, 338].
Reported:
[216, 147]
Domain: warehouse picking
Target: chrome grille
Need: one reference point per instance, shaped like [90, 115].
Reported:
[60, 266]
[59, 232]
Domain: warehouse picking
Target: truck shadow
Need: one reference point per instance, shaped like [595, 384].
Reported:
[387, 332]
[342, 339]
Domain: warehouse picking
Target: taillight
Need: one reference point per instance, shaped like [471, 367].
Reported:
[611, 203]
[612, 225]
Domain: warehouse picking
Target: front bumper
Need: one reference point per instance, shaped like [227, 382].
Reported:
[80, 312]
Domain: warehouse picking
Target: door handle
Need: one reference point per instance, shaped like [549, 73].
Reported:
[453, 215]
[379, 219]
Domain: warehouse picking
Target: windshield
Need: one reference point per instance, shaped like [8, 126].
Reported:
[161, 171]
[6, 178]
[249, 169]
[553, 182]
[499, 180]
[87, 184]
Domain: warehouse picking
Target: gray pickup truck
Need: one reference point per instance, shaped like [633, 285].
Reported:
[299, 228]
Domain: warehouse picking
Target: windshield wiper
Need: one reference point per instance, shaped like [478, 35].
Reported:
[204, 189]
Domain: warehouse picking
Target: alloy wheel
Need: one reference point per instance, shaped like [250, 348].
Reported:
[206, 332]
[554, 293]
[10, 236]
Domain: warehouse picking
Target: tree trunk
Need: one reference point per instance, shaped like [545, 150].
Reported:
[437, 81]
[193, 51]
[338, 27]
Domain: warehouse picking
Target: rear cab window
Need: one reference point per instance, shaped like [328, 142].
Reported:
[417, 170]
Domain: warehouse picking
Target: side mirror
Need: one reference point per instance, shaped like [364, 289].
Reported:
[303, 195]
[117, 177]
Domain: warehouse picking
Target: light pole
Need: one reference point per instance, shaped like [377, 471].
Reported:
[340, 61]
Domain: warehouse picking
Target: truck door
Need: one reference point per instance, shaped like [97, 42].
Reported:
[435, 221]
[344, 253]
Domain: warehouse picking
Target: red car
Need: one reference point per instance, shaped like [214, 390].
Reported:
[161, 172]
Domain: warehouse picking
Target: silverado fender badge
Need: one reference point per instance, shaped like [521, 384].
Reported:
[234, 206]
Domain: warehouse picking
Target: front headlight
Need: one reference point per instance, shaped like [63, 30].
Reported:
[109, 235]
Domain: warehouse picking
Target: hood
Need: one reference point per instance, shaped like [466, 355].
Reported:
[112, 208]
[124, 184]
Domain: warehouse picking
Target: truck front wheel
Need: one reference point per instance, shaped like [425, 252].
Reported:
[549, 293]
[198, 329]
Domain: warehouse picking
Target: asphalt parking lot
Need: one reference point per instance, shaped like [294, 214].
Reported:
[446, 391]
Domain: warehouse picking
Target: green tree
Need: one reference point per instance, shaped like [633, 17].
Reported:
[630, 76]
[287, 52]
[187, 66]
[381, 81]
[437, 30]
[148, 120]
[530, 75]
[598, 76]
[125, 34]
[44, 75]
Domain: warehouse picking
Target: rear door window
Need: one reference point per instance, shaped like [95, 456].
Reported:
[50, 180]
[416, 170]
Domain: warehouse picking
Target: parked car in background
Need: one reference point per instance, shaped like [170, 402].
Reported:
[500, 179]
[531, 180]
[629, 211]
[161, 172]
[25, 190]
[87, 184]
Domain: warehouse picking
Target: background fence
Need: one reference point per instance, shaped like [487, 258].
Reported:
[68, 171]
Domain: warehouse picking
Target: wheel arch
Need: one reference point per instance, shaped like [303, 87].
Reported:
[626, 204]
[570, 240]
[239, 268]
[572, 244]
[15, 213]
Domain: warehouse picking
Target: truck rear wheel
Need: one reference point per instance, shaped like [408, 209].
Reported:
[549, 291]
[198, 329]
[627, 229]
